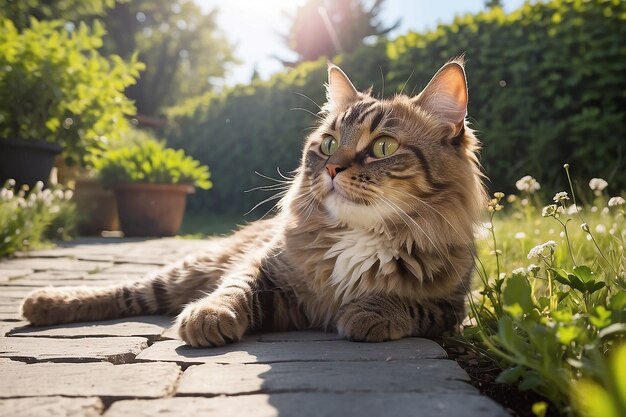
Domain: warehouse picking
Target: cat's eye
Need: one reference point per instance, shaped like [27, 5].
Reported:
[329, 145]
[385, 146]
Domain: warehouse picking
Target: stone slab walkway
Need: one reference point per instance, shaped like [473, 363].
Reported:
[136, 367]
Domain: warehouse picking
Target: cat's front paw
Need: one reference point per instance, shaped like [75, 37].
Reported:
[208, 323]
[361, 325]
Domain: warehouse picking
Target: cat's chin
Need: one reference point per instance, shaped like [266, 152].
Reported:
[351, 213]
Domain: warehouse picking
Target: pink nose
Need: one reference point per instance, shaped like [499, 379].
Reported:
[333, 170]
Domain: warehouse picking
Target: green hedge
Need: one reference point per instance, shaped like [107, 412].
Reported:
[547, 86]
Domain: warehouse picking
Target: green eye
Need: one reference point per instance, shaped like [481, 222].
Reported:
[329, 145]
[385, 146]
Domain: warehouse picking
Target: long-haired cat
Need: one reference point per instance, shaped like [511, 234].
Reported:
[374, 237]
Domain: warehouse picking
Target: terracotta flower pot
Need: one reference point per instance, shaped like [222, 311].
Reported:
[26, 161]
[97, 207]
[151, 209]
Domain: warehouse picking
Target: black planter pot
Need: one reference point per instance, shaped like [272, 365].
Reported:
[26, 161]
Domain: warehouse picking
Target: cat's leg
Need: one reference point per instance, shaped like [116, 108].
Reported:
[247, 299]
[164, 292]
[380, 318]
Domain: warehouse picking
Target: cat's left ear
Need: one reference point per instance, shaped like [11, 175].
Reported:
[340, 91]
[445, 96]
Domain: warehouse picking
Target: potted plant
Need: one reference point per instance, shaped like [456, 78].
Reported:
[57, 93]
[151, 183]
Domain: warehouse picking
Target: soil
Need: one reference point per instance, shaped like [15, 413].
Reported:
[484, 372]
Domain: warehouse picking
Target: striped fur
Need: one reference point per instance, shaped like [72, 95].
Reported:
[382, 250]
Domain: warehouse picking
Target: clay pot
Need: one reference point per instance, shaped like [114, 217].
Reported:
[151, 209]
[97, 207]
[26, 161]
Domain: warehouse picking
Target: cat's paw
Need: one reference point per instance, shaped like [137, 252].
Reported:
[361, 325]
[44, 307]
[208, 323]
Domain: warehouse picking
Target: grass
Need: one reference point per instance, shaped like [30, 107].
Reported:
[199, 225]
[549, 308]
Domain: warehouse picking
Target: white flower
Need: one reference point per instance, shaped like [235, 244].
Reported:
[561, 196]
[549, 211]
[533, 269]
[520, 235]
[601, 228]
[519, 271]
[616, 201]
[528, 184]
[535, 252]
[538, 250]
[598, 184]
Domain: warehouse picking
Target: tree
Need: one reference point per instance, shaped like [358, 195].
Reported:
[491, 4]
[19, 11]
[330, 27]
[183, 49]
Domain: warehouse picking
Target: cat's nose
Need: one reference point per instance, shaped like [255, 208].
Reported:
[333, 170]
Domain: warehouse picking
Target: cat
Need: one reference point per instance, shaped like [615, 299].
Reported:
[373, 238]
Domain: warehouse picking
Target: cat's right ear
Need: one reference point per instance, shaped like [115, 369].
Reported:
[340, 91]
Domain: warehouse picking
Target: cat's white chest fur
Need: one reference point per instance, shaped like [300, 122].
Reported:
[356, 252]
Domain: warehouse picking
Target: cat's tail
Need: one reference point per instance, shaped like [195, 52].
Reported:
[165, 292]
[55, 305]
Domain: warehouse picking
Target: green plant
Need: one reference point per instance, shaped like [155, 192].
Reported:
[149, 161]
[55, 86]
[29, 217]
[551, 325]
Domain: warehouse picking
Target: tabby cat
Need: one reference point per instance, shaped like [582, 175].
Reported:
[373, 239]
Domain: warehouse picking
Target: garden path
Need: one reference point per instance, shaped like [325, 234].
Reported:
[136, 367]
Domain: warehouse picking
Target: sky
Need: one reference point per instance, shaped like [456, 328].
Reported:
[253, 26]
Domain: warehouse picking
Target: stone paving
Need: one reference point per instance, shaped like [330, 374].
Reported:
[136, 367]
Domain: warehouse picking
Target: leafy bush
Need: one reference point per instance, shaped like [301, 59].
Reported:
[54, 86]
[28, 218]
[552, 324]
[546, 86]
[150, 162]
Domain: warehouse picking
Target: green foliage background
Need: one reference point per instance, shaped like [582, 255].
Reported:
[546, 84]
[55, 86]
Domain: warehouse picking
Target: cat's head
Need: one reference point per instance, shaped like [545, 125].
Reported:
[375, 162]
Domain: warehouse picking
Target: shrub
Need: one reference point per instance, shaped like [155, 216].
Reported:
[546, 86]
[28, 218]
[150, 162]
[55, 86]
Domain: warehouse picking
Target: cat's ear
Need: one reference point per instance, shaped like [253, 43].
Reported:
[445, 96]
[340, 91]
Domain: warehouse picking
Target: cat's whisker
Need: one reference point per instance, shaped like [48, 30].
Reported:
[283, 175]
[308, 98]
[407, 81]
[274, 197]
[272, 179]
[269, 187]
[317, 116]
